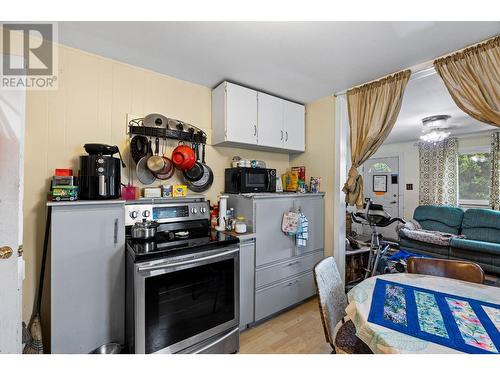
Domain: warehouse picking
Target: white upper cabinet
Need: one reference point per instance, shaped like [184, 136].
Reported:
[294, 126]
[270, 120]
[243, 117]
[241, 114]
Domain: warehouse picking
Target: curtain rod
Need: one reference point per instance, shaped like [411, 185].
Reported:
[417, 72]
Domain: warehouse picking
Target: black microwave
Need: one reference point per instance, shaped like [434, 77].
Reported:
[250, 180]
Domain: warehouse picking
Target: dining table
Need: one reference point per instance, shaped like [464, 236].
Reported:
[415, 313]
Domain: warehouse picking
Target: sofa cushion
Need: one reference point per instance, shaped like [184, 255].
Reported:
[482, 225]
[424, 248]
[441, 218]
[477, 246]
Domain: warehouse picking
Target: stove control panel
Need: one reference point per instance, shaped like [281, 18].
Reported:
[167, 212]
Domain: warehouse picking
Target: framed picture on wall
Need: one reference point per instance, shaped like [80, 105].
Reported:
[379, 183]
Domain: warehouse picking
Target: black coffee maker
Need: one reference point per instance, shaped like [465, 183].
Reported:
[100, 172]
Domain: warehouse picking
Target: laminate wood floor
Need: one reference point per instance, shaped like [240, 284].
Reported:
[297, 331]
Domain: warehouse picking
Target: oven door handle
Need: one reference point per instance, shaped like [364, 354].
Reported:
[184, 262]
[212, 344]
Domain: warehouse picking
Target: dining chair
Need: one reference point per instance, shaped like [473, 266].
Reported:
[454, 269]
[339, 333]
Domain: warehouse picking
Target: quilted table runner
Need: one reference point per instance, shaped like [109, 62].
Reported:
[464, 324]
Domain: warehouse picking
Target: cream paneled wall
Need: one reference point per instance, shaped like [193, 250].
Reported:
[95, 95]
[319, 156]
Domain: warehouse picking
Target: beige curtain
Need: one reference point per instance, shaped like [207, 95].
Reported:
[472, 78]
[373, 109]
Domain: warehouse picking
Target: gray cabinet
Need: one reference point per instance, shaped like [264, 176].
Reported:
[87, 275]
[247, 282]
[283, 270]
[272, 244]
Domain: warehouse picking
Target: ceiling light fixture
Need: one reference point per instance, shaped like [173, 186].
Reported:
[433, 128]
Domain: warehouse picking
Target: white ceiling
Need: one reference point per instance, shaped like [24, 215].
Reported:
[301, 61]
[425, 97]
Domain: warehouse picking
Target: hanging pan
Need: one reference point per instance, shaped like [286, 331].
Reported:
[196, 172]
[144, 175]
[138, 147]
[168, 170]
[206, 180]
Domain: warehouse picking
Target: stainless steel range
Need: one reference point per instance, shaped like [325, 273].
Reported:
[183, 284]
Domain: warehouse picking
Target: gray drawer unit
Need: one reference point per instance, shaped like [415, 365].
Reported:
[283, 270]
[247, 282]
[279, 296]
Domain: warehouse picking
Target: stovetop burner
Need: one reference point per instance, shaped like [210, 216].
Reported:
[170, 243]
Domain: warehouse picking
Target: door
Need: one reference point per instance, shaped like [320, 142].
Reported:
[270, 120]
[179, 303]
[383, 174]
[87, 240]
[11, 192]
[241, 114]
[271, 243]
[294, 126]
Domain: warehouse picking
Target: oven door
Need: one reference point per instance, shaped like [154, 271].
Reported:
[179, 303]
[255, 180]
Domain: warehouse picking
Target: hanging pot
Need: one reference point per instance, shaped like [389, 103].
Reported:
[183, 157]
[155, 120]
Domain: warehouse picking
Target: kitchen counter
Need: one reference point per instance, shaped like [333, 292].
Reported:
[85, 202]
[242, 236]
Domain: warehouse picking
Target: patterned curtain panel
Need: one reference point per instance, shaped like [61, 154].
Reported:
[495, 172]
[439, 172]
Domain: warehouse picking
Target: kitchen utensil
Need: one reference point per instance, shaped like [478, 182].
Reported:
[144, 230]
[195, 173]
[138, 147]
[183, 157]
[155, 162]
[155, 120]
[144, 175]
[206, 180]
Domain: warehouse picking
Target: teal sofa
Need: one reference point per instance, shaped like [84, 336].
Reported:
[481, 228]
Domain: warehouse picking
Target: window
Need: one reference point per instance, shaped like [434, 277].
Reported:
[380, 168]
[474, 177]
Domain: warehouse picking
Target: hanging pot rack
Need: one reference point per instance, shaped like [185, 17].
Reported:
[173, 129]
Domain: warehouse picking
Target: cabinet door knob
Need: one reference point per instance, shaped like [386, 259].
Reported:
[282, 135]
[255, 130]
[286, 139]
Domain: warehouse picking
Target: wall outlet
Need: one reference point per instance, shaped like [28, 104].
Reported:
[409, 186]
